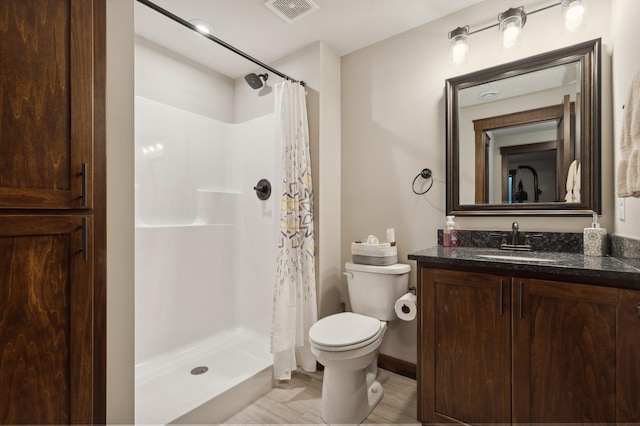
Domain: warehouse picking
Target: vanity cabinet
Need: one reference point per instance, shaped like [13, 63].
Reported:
[502, 349]
[563, 353]
[464, 362]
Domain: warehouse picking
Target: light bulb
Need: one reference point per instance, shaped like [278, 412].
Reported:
[511, 23]
[510, 35]
[459, 45]
[574, 16]
[459, 51]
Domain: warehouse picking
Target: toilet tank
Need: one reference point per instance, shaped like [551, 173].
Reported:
[373, 290]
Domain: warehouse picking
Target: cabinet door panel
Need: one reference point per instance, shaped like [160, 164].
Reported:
[564, 353]
[46, 106]
[470, 339]
[45, 320]
[628, 370]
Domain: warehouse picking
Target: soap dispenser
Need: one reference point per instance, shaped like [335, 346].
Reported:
[595, 239]
[449, 233]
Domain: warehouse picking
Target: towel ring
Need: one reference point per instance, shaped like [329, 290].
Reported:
[425, 174]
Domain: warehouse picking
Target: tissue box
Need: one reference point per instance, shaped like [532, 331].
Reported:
[374, 254]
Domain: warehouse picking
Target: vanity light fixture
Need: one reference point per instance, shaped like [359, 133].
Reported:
[511, 22]
[459, 44]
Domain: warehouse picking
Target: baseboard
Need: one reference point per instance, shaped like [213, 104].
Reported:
[398, 366]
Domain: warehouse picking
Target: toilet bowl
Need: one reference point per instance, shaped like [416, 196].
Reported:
[349, 388]
[347, 344]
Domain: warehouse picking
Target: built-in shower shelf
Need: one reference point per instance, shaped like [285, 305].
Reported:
[218, 191]
[180, 225]
[212, 207]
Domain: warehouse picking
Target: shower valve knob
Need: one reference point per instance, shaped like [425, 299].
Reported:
[263, 189]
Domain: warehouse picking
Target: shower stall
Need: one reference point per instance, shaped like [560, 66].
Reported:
[204, 242]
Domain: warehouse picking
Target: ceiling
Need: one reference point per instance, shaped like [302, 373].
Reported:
[343, 25]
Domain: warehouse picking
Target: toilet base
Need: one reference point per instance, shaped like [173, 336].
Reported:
[348, 396]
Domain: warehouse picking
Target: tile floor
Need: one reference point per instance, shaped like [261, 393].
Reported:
[298, 402]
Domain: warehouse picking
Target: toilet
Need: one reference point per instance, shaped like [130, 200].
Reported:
[347, 344]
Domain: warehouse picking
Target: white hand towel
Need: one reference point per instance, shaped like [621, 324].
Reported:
[628, 172]
[577, 185]
[571, 175]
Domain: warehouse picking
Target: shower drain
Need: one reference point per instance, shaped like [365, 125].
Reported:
[199, 370]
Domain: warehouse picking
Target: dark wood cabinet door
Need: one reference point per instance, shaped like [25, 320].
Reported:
[46, 319]
[564, 352]
[628, 359]
[46, 103]
[464, 365]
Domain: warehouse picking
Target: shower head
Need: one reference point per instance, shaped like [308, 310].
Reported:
[255, 80]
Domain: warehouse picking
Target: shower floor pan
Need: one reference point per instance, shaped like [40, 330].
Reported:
[238, 372]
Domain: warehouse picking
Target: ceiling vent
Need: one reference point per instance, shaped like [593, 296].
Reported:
[291, 10]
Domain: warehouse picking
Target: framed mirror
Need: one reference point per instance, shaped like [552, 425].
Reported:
[523, 138]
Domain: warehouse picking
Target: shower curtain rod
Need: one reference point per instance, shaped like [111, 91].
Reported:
[222, 43]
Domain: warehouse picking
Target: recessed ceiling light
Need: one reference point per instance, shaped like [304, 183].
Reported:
[489, 94]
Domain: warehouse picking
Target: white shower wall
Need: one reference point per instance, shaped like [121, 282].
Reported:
[205, 244]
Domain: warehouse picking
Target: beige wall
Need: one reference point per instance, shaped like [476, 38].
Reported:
[327, 189]
[120, 213]
[626, 63]
[393, 127]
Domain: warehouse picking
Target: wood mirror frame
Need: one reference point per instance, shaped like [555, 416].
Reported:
[586, 117]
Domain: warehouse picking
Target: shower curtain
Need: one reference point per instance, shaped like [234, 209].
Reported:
[294, 298]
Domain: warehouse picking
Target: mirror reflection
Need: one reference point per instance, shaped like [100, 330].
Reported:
[525, 136]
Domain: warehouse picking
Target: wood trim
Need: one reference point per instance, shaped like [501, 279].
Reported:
[536, 115]
[81, 89]
[628, 362]
[398, 366]
[483, 125]
[100, 214]
[531, 147]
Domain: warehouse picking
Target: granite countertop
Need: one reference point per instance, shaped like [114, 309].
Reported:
[574, 267]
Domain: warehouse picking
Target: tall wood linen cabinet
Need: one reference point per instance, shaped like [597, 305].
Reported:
[52, 212]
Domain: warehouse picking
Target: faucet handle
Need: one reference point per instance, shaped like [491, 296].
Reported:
[528, 237]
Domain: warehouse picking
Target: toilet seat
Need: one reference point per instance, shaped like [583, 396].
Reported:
[344, 331]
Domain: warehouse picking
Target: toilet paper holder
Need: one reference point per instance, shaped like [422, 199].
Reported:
[407, 305]
[405, 308]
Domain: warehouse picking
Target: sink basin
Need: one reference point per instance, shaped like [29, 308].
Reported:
[516, 258]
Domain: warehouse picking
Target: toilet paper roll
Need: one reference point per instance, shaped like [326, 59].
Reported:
[406, 307]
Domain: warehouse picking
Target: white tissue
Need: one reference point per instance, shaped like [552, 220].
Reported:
[406, 307]
[372, 239]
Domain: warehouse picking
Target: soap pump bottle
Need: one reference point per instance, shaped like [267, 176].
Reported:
[595, 239]
[449, 233]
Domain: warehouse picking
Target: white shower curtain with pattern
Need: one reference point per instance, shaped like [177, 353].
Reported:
[294, 297]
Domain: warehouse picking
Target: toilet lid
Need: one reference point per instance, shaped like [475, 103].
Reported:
[346, 329]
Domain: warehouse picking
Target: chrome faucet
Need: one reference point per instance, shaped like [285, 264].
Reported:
[514, 233]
